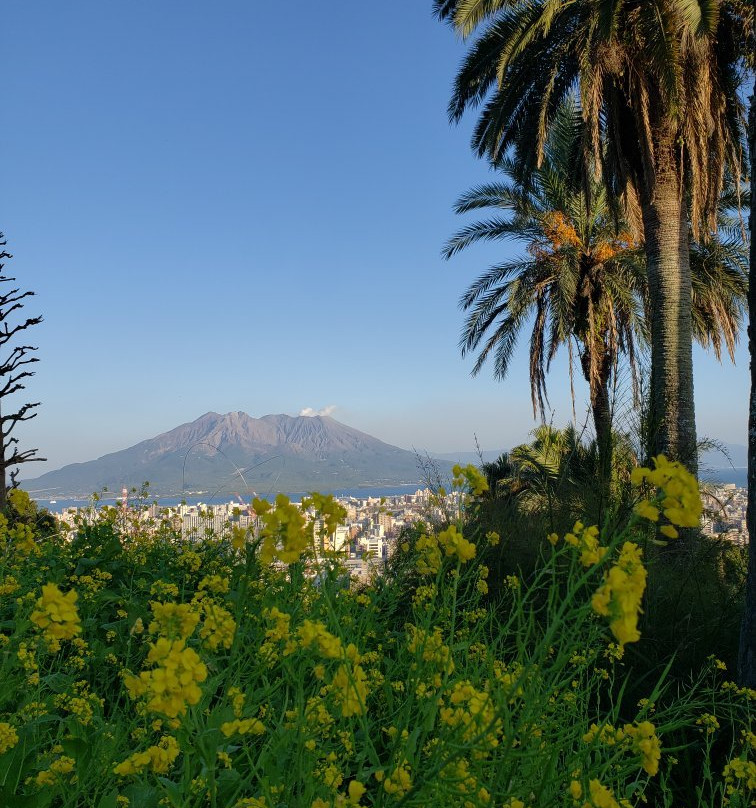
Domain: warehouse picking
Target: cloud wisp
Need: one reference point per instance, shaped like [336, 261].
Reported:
[309, 412]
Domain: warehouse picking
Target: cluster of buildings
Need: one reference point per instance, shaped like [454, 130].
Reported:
[368, 536]
[365, 540]
[725, 513]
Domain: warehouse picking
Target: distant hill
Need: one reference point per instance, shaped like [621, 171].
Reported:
[272, 453]
[716, 459]
[487, 455]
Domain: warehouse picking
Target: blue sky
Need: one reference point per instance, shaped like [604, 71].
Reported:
[240, 206]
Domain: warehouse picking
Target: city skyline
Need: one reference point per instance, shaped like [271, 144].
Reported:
[211, 227]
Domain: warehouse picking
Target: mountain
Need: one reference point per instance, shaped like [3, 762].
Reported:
[737, 456]
[236, 452]
[465, 457]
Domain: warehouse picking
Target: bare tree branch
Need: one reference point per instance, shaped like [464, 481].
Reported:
[12, 379]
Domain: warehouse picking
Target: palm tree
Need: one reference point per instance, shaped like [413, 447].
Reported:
[658, 84]
[583, 281]
[747, 650]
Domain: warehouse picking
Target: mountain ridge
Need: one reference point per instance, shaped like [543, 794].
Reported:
[274, 452]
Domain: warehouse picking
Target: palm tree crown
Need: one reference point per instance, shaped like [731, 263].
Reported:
[662, 121]
[582, 279]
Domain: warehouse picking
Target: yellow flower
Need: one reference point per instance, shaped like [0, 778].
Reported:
[709, 722]
[648, 511]
[173, 683]
[586, 539]
[739, 775]
[669, 531]
[620, 596]
[399, 782]
[680, 497]
[243, 726]
[282, 530]
[455, 544]
[350, 689]
[645, 743]
[174, 620]
[9, 585]
[470, 477]
[601, 796]
[314, 633]
[218, 627]
[429, 555]
[8, 737]
[57, 770]
[158, 758]
[355, 791]
[215, 584]
[56, 615]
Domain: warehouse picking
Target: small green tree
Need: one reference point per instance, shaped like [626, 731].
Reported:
[14, 369]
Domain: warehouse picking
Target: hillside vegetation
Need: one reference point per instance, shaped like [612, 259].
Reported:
[143, 669]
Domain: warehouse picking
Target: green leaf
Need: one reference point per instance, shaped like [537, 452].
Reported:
[109, 800]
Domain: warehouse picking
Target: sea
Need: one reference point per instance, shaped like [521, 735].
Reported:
[736, 476]
[219, 498]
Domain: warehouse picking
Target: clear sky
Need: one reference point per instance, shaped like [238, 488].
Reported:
[240, 206]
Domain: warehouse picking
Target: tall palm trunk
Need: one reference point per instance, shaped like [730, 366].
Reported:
[598, 385]
[673, 420]
[747, 653]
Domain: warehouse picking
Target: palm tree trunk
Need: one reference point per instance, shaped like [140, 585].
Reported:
[602, 421]
[747, 652]
[598, 386]
[672, 417]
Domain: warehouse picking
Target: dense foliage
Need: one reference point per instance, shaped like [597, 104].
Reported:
[142, 668]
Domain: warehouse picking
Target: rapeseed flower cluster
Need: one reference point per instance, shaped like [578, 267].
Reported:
[57, 770]
[586, 539]
[739, 778]
[473, 713]
[619, 597]
[429, 646]
[349, 689]
[313, 633]
[641, 739]
[282, 530]
[215, 584]
[429, 555]
[174, 681]
[173, 620]
[158, 759]
[602, 797]
[56, 615]
[471, 478]
[20, 539]
[218, 626]
[243, 726]
[329, 510]
[446, 702]
[679, 500]
[8, 737]
[278, 632]
[646, 743]
[454, 544]
[399, 782]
